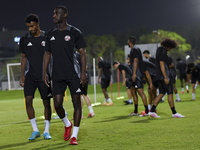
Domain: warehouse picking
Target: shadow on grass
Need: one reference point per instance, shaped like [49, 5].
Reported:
[113, 119]
[57, 146]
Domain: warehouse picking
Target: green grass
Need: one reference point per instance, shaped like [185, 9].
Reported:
[110, 129]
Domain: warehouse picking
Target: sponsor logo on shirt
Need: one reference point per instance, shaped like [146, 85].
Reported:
[29, 44]
[78, 90]
[43, 43]
[67, 38]
[52, 38]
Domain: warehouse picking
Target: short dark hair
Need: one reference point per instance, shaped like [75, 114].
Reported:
[115, 62]
[190, 65]
[178, 59]
[63, 8]
[146, 51]
[132, 39]
[31, 18]
[169, 43]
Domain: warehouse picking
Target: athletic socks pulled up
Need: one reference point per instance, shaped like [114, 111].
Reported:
[130, 101]
[90, 109]
[75, 132]
[173, 110]
[149, 106]
[146, 109]
[136, 108]
[177, 97]
[66, 121]
[193, 95]
[183, 89]
[109, 100]
[153, 108]
[34, 124]
[186, 87]
[47, 125]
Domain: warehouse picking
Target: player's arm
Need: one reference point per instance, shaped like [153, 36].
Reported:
[46, 59]
[84, 79]
[100, 72]
[171, 65]
[135, 65]
[162, 67]
[149, 79]
[23, 64]
[124, 77]
[188, 78]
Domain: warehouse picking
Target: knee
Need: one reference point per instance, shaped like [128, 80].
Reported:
[28, 101]
[77, 104]
[46, 102]
[57, 105]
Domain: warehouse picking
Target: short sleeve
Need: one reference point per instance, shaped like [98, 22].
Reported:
[21, 45]
[145, 66]
[100, 65]
[47, 43]
[79, 41]
[134, 54]
[120, 68]
[163, 55]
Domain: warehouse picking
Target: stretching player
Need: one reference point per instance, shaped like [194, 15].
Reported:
[104, 74]
[193, 73]
[181, 67]
[127, 78]
[61, 42]
[163, 77]
[32, 47]
[172, 72]
[137, 77]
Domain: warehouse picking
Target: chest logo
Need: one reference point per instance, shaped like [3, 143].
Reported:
[52, 38]
[67, 38]
[29, 44]
[43, 43]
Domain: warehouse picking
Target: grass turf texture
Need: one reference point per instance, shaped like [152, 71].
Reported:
[111, 128]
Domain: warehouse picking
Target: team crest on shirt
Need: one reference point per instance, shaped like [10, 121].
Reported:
[67, 38]
[43, 43]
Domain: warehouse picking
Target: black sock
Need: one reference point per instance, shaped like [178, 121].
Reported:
[136, 108]
[173, 110]
[146, 109]
[153, 108]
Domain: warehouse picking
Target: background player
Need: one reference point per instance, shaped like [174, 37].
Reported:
[163, 77]
[138, 75]
[193, 73]
[181, 68]
[32, 47]
[127, 79]
[61, 41]
[104, 75]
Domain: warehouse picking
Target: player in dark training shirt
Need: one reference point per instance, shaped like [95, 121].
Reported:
[147, 55]
[181, 67]
[137, 67]
[162, 78]
[61, 43]
[32, 49]
[193, 73]
[104, 75]
[127, 78]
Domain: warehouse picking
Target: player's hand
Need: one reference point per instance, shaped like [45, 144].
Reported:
[151, 86]
[21, 82]
[134, 77]
[46, 80]
[124, 82]
[99, 81]
[84, 79]
[166, 81]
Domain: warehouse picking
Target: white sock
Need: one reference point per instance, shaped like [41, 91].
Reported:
[82, 113]
[66, 121]
[90, 109]
[196, 86]
[177, 97]
[105, 101]
[182, 89]
[157, 92]
[187, 87]
[149, 106]
[193, 95]
[34, 124]
[109, 100]
[75, 132]
[47, 125]
[130, 100]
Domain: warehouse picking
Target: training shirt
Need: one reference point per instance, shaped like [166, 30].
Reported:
[181, 66]
[33, 48]
[161, 55]
[105, 65]
[136, 53]
[127, 70]
[172, 70]
[62, 45]
[150, 67]
[153, 60]
[195, 72]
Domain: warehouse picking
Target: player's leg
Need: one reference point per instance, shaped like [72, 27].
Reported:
[88, 103]
[135, 99]
[150, 96]
[186, 84]
[175, 90]
[193, 82]
[181, 79]
[129, 93]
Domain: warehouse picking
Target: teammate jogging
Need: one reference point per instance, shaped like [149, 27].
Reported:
[61, 42]
[32, 49]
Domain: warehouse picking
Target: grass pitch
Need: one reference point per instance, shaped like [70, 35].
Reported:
[110, 129]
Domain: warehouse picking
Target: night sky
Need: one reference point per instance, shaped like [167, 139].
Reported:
[103, 16]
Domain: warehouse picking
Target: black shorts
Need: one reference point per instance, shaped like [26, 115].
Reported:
[31, 85]
[84, 89]
[163, 88]
[128, 83]
[195, 79]
[59, 87]
[105, 83]
[183, 76]
[138, 84]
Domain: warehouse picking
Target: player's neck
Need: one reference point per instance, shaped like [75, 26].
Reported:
[37, 34]
[62, 26]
